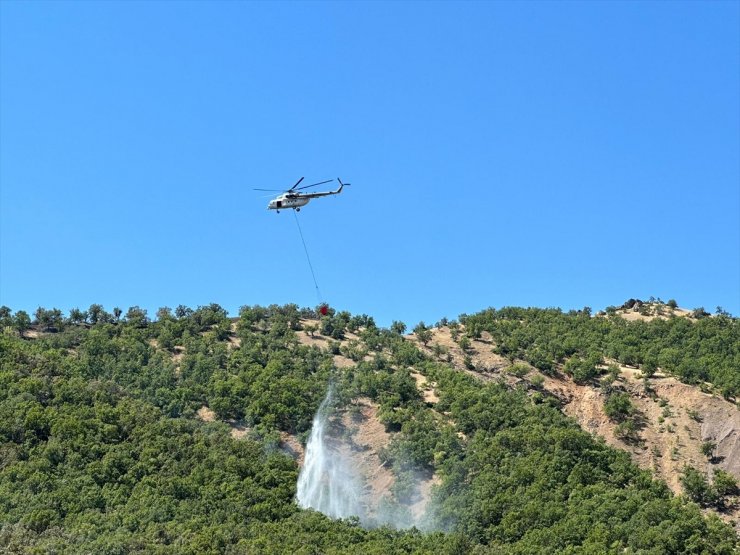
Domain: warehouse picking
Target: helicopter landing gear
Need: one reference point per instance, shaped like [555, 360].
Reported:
[297, 209]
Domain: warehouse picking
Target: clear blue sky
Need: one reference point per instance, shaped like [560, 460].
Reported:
[532, 154]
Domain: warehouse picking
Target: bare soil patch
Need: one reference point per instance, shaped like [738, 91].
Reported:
[205, 414]
[632, 315]
[367, 437]
[426, 388]
[238, 429]
[234, 341]
[290, 444]
[363, 437]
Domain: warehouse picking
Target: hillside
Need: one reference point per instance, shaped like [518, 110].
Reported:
[186, 434]
[676, 419]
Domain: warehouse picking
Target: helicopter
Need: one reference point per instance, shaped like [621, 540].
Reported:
[294, 198]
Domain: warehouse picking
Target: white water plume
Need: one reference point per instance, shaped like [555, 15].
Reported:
[342, 478]
[327, 481]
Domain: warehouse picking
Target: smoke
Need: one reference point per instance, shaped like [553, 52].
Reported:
[340, 479]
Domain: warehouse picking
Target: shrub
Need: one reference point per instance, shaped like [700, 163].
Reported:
[618, 406]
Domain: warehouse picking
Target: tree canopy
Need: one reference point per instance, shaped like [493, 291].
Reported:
[100, 450]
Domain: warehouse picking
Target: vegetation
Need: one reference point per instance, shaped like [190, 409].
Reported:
[700, 490]
[707, 449]
[619, 406]
[702, 349]
[100, 451]
[620, 409]
[423, 333]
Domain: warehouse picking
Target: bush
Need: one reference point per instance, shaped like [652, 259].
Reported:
[537, 381]
[707, 449]
[518, 369]
[699, 313]
[423, 334]
[696, 486]
[618, 406]
[582, 370]
[627, 431]
[724, 483]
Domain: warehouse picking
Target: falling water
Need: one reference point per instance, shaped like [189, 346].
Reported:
[327, 481]
[334, 480]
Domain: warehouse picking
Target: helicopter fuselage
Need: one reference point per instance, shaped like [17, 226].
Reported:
[288, 201]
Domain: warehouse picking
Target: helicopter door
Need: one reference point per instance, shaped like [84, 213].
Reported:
[280, 204]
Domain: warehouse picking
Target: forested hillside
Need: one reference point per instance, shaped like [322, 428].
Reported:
[100, 450]
[695, 349]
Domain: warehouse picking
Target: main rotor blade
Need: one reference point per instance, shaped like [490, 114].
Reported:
[296, 185]
[314, 184]
[274, 190]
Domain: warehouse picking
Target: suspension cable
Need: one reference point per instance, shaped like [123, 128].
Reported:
[305, 248]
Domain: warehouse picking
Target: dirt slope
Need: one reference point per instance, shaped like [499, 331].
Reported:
[364, 439]
[671, 437]
[676, 418]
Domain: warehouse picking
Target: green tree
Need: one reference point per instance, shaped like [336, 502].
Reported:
[464, 343]
[310, 329]
[725, 484]
[618, 406]
[77, 316]
[627, 431]
[398, 327]
[164, 313]
[699, 313]
[96, 314]
[183, 311]
[49, 319]
[21, 322]
[439, 350]
[211, 315]
[454, 330]
[582, 370]
[5, 317]
[42, 318]
[707, 449]
[649, 367]
[423, 334]
[696, 486]
[137, 317]
[166, 337]
[612, 373]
